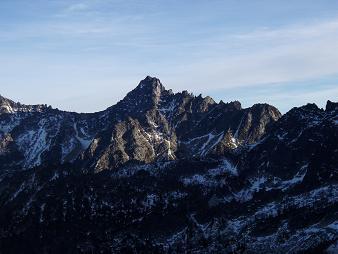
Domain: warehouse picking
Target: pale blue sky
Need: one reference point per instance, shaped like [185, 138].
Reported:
[86, 55]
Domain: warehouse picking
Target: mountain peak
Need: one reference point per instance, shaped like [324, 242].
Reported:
[330, 106]
[151, 84]
[146, 95]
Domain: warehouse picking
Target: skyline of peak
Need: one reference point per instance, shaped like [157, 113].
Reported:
[148, 87]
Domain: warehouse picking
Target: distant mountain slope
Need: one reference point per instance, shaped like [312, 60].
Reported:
[38, 135]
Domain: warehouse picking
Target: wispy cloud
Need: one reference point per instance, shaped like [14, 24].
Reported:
[78, 7]
[268, 56]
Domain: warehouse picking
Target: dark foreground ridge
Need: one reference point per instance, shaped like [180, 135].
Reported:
[164, 172]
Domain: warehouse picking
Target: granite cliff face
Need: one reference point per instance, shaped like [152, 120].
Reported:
[154, 124]
[164, 172]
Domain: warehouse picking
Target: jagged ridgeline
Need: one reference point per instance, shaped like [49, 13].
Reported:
[149, 124]
[164, 172]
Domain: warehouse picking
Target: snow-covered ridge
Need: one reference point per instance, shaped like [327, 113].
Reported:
[41, 133]
[8, 106]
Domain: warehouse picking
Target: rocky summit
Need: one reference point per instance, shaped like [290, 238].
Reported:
[165, 172]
